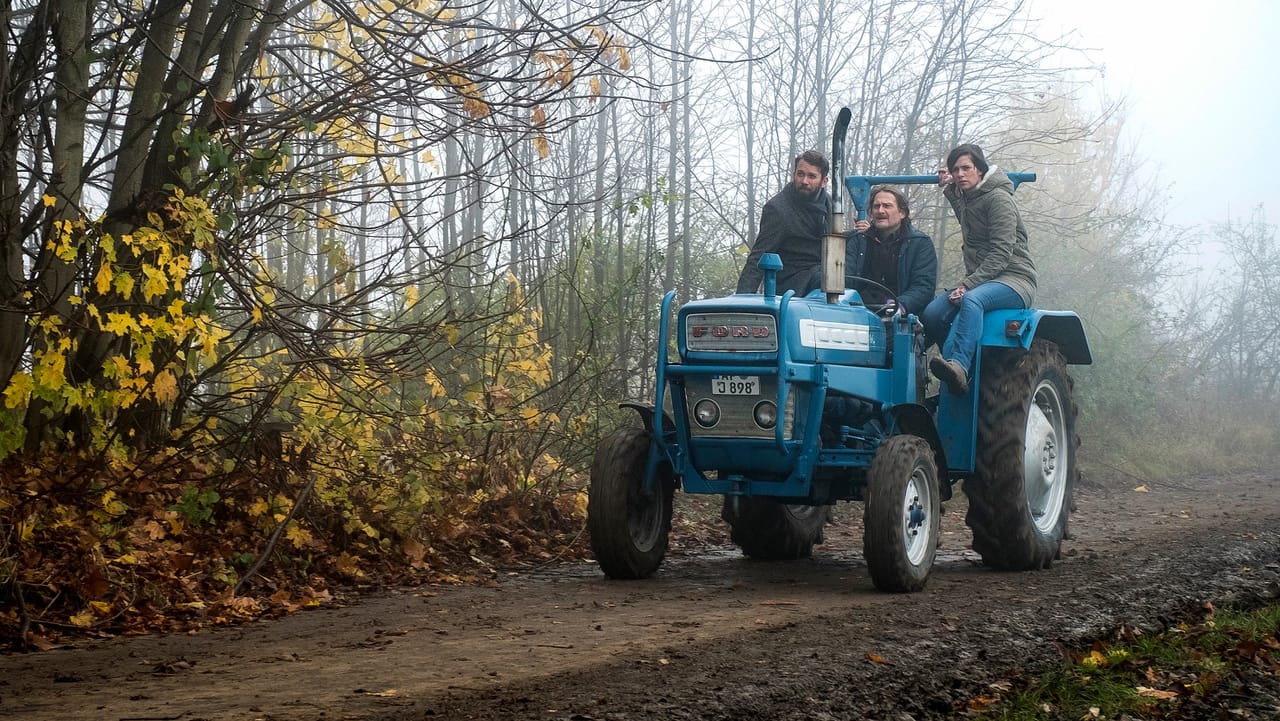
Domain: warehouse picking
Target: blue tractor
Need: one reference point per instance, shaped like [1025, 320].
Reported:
[785, 405]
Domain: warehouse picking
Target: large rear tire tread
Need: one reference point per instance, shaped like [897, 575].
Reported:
[903, 478]
[767, 530]
[629, 528]
[1005, 531]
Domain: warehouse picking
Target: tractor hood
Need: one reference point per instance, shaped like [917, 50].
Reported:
[746, 328]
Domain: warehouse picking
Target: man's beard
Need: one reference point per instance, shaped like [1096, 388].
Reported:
[806, 194]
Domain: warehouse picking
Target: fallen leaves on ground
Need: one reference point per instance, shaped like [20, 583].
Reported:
[89, 549]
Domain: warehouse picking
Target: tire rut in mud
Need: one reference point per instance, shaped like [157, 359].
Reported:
[712, 636]
[918, 658]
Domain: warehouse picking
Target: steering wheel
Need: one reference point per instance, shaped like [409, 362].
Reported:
[887, 308]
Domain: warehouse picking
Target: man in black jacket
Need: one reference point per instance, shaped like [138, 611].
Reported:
[893, 267]
[899, 260]
[791, 225]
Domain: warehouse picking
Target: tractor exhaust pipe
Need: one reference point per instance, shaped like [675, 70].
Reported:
[833, 242]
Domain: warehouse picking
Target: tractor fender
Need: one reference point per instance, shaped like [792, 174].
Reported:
[1018, 328]
[646, 413]
[660, 464]
[916, 420]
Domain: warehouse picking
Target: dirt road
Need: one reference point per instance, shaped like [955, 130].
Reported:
[714, 636]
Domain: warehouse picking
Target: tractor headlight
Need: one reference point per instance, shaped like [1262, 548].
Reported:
[765, 414]
[706, 412]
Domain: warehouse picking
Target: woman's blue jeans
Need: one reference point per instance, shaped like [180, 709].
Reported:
[957, 328]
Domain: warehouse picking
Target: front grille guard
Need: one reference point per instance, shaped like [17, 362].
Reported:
[801, 453]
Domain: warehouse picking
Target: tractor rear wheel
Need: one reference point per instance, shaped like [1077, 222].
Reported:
[1020, 494]
[767, 530]
[901, 520]
[629, 525]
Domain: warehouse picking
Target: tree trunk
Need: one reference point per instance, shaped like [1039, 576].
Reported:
[56, 276]
[673, 143]
[686, 143]
[597, 202]
[750, 143]
[18, 68]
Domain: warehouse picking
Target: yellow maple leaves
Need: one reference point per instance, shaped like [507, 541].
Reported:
[18, 390]
[90, 615]
[475, 107]
[50, 368]
[102, 281]
[165, 386]
[112, 505]
[65, 239]
[473, 101]
[541, 145]
[156, 283]
[135, 293]
[299, 536]
[121, 323]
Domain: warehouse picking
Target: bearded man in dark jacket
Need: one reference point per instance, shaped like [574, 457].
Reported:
[792, 225]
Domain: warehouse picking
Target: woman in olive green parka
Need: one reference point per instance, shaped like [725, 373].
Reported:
[999, 272]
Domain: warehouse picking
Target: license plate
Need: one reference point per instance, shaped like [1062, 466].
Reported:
[735, 385]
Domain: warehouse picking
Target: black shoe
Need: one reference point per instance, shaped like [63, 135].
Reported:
[950, 373]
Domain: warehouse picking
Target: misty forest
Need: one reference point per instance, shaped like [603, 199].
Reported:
[298, 294]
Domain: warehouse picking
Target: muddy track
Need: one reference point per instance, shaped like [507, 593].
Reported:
[714, 636]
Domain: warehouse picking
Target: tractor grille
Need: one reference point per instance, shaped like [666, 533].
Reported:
[736, 412]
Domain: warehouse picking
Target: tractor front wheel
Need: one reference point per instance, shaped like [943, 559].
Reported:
[901, 520]
[1020, 493]
[629, 524]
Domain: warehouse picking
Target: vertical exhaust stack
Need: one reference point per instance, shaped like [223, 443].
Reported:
[833, 242]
